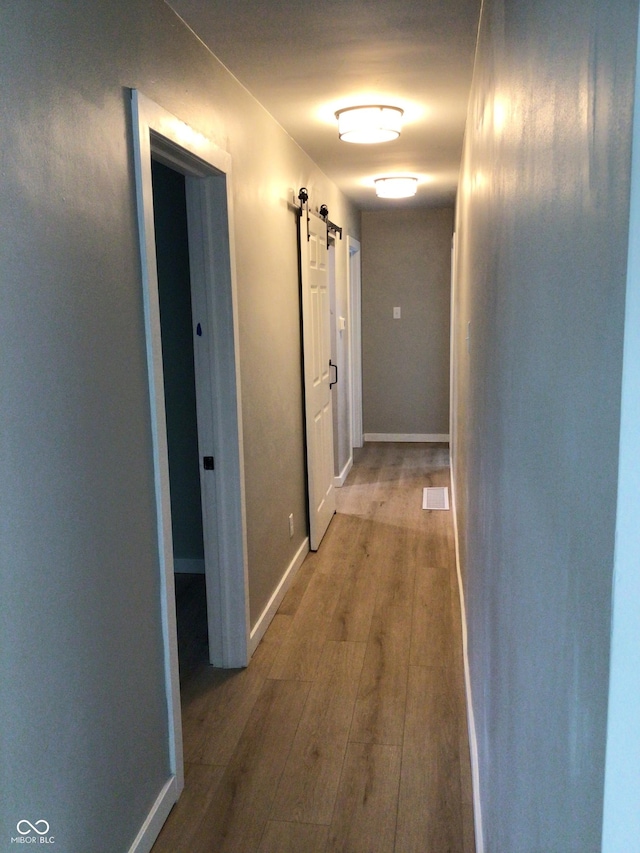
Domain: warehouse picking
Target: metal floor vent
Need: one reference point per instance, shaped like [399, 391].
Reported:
[435, 497]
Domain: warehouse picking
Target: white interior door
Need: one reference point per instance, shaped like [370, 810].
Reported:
[205, 379]
[317, 374]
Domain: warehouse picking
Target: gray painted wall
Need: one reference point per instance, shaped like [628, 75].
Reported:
[406, 263]
[542, 226]
[82, 705]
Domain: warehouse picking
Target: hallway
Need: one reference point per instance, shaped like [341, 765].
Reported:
[347, 732]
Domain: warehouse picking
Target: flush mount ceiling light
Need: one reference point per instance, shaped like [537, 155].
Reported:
[372, 123]
[402, 186]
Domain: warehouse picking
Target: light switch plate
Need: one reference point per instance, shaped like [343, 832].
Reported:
[396, 313]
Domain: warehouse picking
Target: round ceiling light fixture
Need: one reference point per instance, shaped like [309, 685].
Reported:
[369, 124]
[398, 186]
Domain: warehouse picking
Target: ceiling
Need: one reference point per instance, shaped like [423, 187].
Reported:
[303, 61]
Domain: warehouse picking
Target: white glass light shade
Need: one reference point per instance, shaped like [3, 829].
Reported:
[399, 187]
[369, 124]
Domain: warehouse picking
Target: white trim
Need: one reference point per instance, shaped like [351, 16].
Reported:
[355, 338]
[144, 195]
[258, 631]
[452, 348]
[406, 436]
[338, 481]
[150, 829]
[621, 804]
[471, 723]
[157, 131]
[188, 566]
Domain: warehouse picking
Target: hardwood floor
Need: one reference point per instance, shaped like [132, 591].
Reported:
[347, 732]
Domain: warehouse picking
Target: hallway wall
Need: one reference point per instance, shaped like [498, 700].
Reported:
[82, 707]
[406, 263]
[542, 229]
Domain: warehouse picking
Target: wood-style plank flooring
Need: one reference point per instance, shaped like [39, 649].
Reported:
[347, 732]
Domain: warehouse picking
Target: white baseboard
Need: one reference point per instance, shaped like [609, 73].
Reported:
[471, 723]
[338, 481]
[156, 818]
[407, 436]
[258, 630]
[187, 565]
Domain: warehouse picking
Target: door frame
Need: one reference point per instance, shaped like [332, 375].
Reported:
[207, 171]
[334, 352]
[355, 333]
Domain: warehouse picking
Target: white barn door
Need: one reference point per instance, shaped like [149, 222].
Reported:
[317, 374]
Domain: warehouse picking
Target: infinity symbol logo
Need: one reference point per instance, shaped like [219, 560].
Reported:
[44, 827]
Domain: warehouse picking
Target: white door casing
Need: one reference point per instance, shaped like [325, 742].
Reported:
[208, 170]
[317, 374]
[355, 340]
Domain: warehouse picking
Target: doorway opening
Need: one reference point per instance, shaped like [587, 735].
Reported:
[176, 329]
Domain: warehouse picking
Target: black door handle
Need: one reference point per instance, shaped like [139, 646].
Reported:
[335, 381]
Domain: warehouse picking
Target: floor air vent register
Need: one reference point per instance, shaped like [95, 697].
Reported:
[435, 497]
